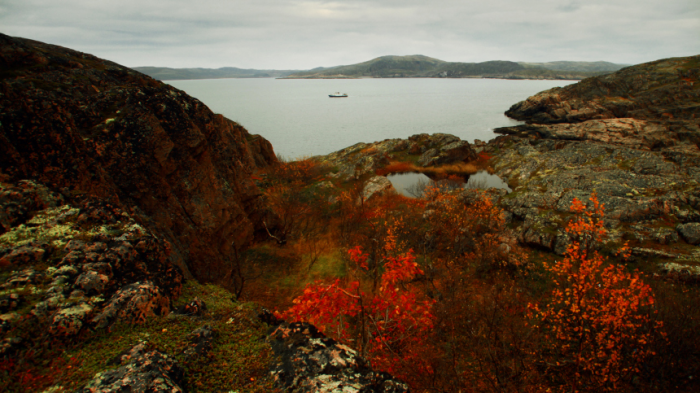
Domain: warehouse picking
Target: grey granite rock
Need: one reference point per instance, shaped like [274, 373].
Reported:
[309, 362]
[141, 370]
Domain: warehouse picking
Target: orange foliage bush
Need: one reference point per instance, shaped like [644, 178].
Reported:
[386, 325]
[597, 323]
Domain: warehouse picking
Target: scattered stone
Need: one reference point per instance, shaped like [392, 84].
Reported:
[201, 339]
[7, 320]
[92, 282]
[665, 235]
[680, 272]
[196, 307]
[142, 370]
[133, 303]
[9, 301]
[650, 252]
[376, 185]
[310, 362]
[70, 320]
[28, 254]
[690, 232]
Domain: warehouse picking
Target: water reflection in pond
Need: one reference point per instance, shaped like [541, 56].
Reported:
[413, 184]
[409, 184]
[483, 180]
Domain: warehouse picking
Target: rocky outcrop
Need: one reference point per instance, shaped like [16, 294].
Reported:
[663, 90]
[646, 193]
[650, 106]
[141, 370]
[308, 361]
[426, 150]
[631, 136]
[81, 266]
[84, 126]
[376, 185]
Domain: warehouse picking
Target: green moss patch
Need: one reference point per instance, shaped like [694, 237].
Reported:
[238, 361]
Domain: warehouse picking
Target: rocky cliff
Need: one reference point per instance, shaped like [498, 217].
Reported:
[652, 105]
[87, 127]
[633, 137]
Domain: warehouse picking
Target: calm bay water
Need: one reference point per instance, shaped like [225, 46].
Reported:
[299, 118]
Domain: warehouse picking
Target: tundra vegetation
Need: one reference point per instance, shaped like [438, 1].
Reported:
[434, 291]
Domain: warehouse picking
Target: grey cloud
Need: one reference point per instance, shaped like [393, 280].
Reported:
[305, 34]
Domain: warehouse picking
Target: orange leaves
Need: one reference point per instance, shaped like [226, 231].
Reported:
[396, 167]
[599, 314]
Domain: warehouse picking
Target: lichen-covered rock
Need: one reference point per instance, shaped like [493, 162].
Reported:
[655, 91]
[376, 185]
[23, 278]
[92, 282]
[133, 303]
[100, 252]
[680, 272]
[363, 158]
[70, 319]
[310, 362]
[690, 232]
[28, 254]
[142, 370]
[457, 151]
[642, 191]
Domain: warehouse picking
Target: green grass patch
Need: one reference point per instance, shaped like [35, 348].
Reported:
[331, 265]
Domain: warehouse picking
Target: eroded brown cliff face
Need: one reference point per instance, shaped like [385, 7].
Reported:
[85, 126]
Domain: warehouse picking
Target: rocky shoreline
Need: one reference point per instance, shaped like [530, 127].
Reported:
[632, 137]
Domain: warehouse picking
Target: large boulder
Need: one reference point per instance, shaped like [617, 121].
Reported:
[142, 370]
[309, 362]
[690, 232]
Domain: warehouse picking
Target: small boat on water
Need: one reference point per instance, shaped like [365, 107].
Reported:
[337, 95]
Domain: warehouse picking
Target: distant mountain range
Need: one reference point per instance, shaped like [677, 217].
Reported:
[415, 66]
[165, 73]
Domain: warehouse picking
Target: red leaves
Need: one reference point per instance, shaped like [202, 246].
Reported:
[386, 324]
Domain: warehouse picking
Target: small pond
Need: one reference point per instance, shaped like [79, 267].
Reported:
[413, 184]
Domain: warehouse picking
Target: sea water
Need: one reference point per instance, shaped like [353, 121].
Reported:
[299, 119]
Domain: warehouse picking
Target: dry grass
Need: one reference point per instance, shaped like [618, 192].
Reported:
[439, 172]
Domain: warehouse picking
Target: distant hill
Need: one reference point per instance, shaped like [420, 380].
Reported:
[577, 66]
[414, 66]
[381, 67]
[165, 73]
[419, 66]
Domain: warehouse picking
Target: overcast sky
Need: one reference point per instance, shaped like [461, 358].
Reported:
[297, 34]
